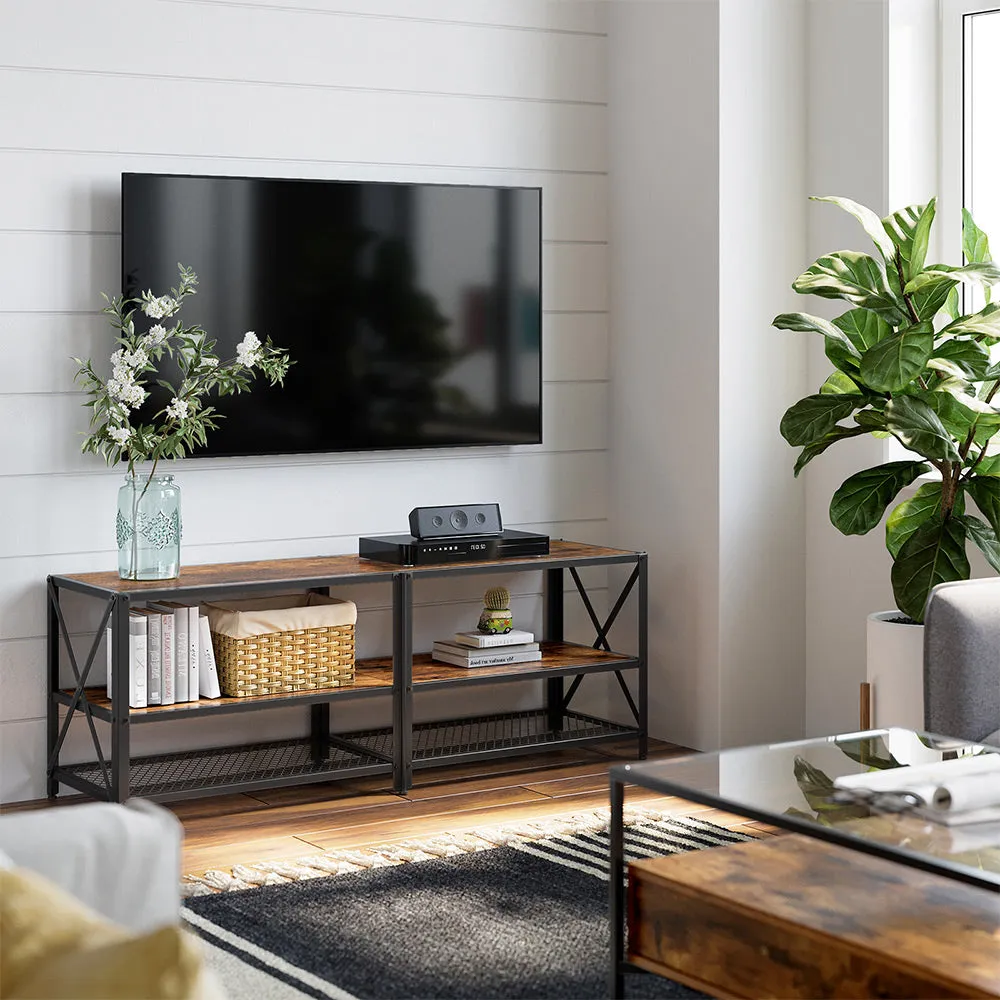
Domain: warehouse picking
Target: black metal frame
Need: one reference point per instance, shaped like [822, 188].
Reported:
[331, 756]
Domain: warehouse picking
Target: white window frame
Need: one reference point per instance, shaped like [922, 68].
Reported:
[952, 163]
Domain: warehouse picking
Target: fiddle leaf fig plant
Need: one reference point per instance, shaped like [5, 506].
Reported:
[908, 364]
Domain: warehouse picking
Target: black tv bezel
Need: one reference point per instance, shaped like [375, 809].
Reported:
[372, 449]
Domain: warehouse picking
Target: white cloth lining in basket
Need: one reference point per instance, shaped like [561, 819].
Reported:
[243, 619]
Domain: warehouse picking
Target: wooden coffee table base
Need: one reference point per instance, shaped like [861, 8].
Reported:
[790, 916]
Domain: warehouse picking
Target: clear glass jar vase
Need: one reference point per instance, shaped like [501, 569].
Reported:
[148, 528]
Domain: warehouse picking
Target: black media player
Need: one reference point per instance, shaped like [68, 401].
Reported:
[405, 550]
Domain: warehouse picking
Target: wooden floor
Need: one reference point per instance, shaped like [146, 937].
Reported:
[288, 823]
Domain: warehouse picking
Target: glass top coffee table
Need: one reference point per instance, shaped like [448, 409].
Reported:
[790, 786]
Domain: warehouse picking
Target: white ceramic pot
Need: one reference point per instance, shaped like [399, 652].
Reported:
[895, 671]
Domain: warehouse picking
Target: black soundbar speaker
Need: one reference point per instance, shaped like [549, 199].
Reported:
[459, 519]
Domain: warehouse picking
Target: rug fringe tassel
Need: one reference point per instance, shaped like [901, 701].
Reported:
[409, 851]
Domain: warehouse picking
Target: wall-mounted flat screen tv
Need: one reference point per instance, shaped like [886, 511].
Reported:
[412, 312]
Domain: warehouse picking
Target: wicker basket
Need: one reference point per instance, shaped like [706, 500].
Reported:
[279, 645]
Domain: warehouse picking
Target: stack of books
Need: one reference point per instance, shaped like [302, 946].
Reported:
[171, 658]
[473, 649]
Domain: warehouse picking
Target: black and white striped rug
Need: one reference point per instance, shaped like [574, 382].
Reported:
[526, 919]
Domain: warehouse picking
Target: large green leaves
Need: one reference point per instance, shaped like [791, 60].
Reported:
[909, 230]
[893, 363]
[975, 244]
[871, 223]
[984, 537]
[856, 277]
[989, 466]
[838, 382]
[814, 324]
[907, 516]
[983, 274]
[985, 323]
[929, 301]
[985, 491]
[810, 451]
[860, 502]
[863, 329]
[815, 416]
[972, 359]
[920, 428]
[933, 554]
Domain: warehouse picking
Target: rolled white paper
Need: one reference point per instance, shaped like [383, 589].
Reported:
[972, 791]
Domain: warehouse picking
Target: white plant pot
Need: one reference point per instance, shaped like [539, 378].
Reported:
[895, 671]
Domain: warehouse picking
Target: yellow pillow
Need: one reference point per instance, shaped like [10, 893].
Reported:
[52, 946]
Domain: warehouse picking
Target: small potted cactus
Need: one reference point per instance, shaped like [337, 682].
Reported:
[496, 618]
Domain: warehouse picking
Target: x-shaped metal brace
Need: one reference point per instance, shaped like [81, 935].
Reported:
[79, 702]
[602, 635]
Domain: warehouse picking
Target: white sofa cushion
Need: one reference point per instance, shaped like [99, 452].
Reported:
[122, 861]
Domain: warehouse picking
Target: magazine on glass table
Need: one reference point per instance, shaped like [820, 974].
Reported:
[956, 792]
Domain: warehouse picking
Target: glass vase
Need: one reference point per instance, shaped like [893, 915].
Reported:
[148, 528]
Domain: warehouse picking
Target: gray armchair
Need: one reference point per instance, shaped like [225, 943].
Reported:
[962, 660]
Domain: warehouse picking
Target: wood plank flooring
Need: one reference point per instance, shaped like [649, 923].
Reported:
[293, 822]
[285, 823]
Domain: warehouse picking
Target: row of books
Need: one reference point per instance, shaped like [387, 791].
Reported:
[473, 649]
[170, 658]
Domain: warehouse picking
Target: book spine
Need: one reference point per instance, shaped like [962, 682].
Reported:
[208, 673]
[137, 661]
[488, 641]
[154, 658]
[194, 650]
[168, 666]
[441, 646]
[182, 649]
[486, 661]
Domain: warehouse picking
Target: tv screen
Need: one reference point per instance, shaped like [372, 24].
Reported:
[412, 312]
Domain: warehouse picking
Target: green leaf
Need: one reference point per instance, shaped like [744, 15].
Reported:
[814, 324]
[871, 223]
[985, 492]
[973, 359]
[983, 274]
[897, 360]
[838, 382]
[933, 554]
[956, 418]
[930, 301]
[919, 427]
[907, 516]
[989, 466]
[810, 451]
[871, 420]
[975, 244]
[984, 323]
[811, 418]
[984, 537]
[921, 236]
[901, 226]
[855, 277]
[952, 374]
[863, 329]
[859, 503]
[950, 304]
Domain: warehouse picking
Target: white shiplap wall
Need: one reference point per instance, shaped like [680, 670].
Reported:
[466, 91]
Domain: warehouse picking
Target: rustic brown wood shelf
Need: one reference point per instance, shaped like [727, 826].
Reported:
[400, 675]
[374, 676]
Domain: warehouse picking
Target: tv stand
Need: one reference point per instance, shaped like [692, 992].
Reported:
[324, 755]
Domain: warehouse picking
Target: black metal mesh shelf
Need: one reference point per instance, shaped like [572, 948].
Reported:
[488, 733]
[218, 767]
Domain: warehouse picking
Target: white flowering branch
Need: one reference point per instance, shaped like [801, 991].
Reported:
[182, 425]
